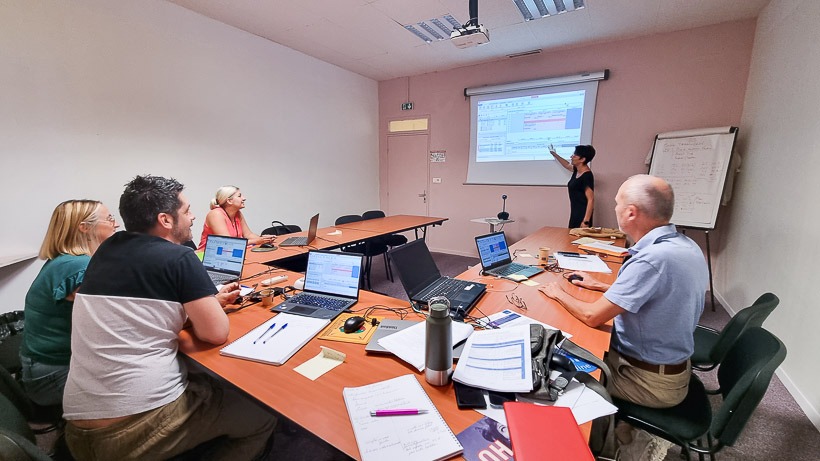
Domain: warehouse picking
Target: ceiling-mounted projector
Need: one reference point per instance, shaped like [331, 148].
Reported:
[469, 35]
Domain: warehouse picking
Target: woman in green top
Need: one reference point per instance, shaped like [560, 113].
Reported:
[76, 229]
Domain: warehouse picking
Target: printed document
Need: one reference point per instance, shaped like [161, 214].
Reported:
[497, 360]
[578, 262]
[408, 344]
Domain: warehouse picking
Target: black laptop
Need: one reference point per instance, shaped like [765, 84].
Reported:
[224, 258]
[332, 284]
[303, 241]
[422, 280]
[495, 258]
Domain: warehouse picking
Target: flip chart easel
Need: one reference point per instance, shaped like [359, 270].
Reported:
[696, 165]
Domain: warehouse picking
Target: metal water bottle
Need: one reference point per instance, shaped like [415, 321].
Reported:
[438, 351]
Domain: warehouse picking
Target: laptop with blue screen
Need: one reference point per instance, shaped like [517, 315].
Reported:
[332, 284]
[224, 258]
[495, 258]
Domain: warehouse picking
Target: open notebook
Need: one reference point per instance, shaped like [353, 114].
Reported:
[406, 437]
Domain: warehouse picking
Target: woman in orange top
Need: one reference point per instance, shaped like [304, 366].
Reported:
[225, 218]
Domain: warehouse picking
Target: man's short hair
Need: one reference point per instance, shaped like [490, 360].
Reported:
[652, 195]
[145, 197]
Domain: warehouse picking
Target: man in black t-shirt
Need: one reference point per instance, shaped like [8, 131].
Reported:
[128, 394]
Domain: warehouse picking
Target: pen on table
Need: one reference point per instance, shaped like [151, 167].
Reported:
[398, 412]
[571, 255]
[275, 333]
[271, 327]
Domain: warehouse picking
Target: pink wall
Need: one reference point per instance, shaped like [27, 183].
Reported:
[674, 81]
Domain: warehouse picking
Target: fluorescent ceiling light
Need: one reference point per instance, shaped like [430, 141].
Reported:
[434, 29]
[535, 9]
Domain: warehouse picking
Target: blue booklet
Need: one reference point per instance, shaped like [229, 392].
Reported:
[486, 439]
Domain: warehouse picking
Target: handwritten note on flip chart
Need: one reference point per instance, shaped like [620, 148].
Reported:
[695, 163]
[406, 437]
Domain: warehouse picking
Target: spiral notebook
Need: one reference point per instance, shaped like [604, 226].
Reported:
[407, 437]
[276, 340]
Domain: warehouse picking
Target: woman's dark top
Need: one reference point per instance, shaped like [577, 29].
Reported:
[577, 197]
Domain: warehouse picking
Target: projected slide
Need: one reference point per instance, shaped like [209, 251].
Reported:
[522, 128]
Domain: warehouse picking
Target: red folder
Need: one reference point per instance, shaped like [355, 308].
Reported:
[539, 432]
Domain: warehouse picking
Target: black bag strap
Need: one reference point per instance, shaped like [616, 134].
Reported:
[586, 378]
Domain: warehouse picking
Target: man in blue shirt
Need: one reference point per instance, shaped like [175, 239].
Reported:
[656, 300]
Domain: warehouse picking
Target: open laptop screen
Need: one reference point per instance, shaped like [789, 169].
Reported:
[224, 254]
[334, 273]
[417, 269]
[493, 250]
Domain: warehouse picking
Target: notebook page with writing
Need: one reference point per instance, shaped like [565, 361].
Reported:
[276, 340]
[406, 437]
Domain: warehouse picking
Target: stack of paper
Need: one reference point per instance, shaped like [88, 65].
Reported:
[497, 360]
[408, 344]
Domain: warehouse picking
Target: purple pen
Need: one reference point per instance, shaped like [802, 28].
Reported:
[398, 412]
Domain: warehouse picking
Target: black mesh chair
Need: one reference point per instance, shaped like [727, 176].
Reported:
[711, 345]
[743, 376]
[392, 240]
[369, 248]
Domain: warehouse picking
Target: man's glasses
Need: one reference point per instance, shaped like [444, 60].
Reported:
[516, 301]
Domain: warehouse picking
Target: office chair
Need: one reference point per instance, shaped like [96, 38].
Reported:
[50, 417]
[279, 228]
[712, 345]
[744, 377]
[368, 248]
[17, 440]
[392, 240]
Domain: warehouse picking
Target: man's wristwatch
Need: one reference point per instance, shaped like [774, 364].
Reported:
[587, 223]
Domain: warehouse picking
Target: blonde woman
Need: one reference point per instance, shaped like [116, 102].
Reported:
[225, 218]
[76, 230]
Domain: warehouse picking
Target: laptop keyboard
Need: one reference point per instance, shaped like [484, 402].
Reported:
[448, 288]
[510, 269]
[294, 241]
[221, 279]
[333, 304]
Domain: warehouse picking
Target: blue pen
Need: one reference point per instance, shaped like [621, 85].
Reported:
[276, 333]
[266, 332]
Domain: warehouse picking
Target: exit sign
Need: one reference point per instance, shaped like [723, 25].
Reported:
[407, 106]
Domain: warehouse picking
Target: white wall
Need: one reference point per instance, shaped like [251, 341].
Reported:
[775, 208]
[93, 92]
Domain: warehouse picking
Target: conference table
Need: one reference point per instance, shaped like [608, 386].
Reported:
[318, 406]
[328, 238]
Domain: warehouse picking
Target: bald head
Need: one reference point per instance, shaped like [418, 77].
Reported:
[651, 195]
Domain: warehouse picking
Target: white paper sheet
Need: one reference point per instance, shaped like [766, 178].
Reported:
[408, 344]
[586, 263]
[497, 360]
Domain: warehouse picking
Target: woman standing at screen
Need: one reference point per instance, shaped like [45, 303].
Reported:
[581, 185]
[76, 230]
[225, 218]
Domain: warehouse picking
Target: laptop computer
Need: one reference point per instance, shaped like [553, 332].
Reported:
[224, 258]
[303, 241]
[422, 280]
[495, 258]
[389, 326]
[332, 284]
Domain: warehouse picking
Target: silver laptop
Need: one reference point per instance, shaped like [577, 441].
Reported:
[332, 283]
[224, 258]
[303, 241]
[495, 257]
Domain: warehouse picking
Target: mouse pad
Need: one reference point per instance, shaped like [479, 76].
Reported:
[335, 331]
[262, 250]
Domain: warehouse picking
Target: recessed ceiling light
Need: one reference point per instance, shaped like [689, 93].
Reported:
[434, 29]
[535, 9]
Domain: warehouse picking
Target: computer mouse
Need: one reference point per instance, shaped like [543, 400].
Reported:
[574, 277]
[353, 324]
[267, 245]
